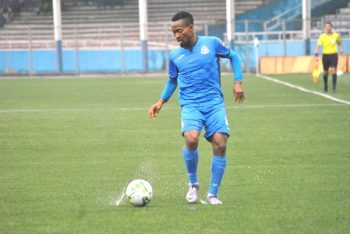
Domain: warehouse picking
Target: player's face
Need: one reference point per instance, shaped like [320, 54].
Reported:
[183, 32]
[328, 28]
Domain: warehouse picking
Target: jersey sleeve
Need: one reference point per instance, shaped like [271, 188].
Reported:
[338, 39]
[236, 65]
[221, 49]
[171, 84]
[169, 89]
[173, 71]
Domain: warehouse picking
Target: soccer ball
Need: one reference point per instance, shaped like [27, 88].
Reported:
[139, 192]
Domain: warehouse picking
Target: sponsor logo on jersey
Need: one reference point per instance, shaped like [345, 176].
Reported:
[180, 57]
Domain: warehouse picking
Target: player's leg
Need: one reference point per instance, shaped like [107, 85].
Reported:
[190, 154]
[218, 163]
[218, 166]
[325, 80]
[192, 124]
[326, 64]
[217, 132]
[333, 70]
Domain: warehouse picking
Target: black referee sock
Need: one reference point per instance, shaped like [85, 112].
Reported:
[325, 79]
[334, 80]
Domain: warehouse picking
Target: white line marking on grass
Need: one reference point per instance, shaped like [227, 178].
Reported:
[281, 106]
[126, 109]
[304, 89]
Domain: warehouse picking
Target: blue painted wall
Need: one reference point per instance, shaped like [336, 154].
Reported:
[44, 61]
[103, 61]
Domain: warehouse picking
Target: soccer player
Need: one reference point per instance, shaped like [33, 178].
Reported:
[329, 40]
[194, 67]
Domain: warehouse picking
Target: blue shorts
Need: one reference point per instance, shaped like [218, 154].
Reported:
[213, 118]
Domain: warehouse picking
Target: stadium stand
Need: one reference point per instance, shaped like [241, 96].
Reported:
[340, 20]
[95, 27]
[101, 39]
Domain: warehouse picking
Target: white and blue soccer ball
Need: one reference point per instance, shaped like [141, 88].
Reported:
[139, 192]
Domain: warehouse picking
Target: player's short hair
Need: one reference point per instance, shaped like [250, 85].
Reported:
[329, 22]
[184, 15]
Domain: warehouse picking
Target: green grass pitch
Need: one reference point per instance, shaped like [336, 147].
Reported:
[68, 148]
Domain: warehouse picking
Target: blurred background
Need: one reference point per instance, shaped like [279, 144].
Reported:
[103, 36]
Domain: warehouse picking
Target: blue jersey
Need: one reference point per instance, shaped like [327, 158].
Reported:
[197, 71]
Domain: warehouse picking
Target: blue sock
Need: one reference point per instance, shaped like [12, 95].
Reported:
[191, 162]
[218, 165]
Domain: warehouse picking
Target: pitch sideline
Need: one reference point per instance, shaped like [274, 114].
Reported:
[304, 89]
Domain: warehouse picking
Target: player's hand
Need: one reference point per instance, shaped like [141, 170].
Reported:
[238, 92]
[155, 108]
[316, 57]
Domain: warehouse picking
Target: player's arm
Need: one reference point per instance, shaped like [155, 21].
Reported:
[168, 91]
[341, 49]
[317, 49]
[238, 92]
[224, 52]
[319, 44]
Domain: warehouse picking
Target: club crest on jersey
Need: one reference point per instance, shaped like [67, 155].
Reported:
[204, 49]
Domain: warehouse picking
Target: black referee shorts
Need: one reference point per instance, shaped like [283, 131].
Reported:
[329, 60]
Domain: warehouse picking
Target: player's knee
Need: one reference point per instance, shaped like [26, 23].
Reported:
[219, 148]
[191, 142]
